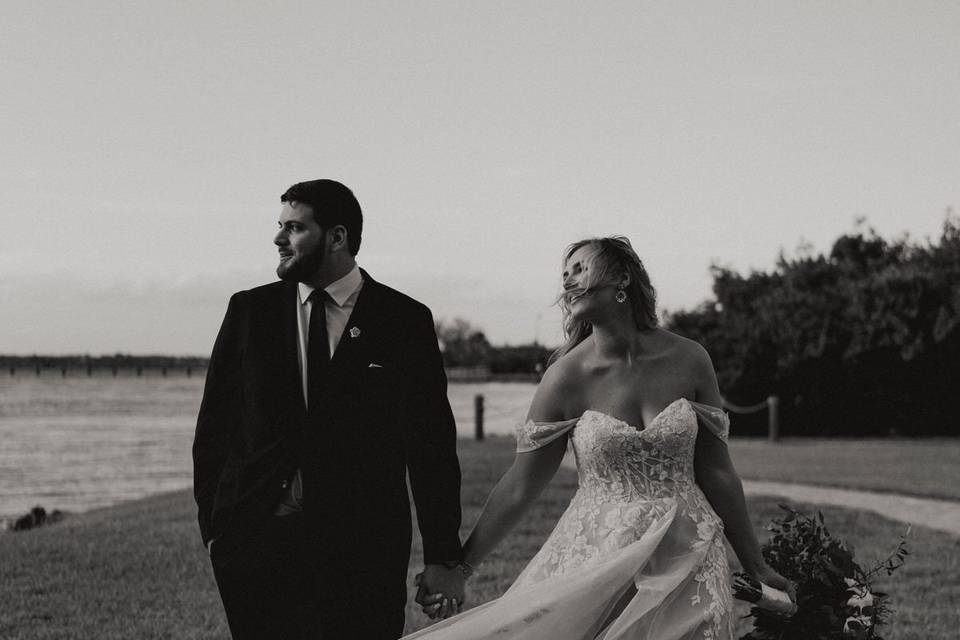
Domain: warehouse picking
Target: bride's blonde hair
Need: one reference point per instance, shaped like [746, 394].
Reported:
[613, 257]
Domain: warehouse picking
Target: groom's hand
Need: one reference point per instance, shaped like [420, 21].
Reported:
[440, 590]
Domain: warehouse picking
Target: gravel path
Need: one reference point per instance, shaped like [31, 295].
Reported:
[942, 515]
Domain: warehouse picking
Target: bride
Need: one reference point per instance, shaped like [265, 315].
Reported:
[639, 552]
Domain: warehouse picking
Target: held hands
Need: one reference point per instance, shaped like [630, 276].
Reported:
[440, 590]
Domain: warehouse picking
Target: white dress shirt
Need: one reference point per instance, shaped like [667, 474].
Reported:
[343, 295]
[342, 299]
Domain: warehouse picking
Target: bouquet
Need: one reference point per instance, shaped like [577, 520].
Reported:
[835, 599]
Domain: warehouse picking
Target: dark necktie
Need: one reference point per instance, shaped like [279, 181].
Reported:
[318, 347]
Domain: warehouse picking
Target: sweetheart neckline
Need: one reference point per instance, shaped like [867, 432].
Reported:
[625, 423]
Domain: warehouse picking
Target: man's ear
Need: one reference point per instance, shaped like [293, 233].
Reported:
[338, 237]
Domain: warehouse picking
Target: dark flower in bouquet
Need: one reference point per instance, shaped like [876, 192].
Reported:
[834, 598]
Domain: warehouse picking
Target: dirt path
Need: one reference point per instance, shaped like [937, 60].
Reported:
[942, 515]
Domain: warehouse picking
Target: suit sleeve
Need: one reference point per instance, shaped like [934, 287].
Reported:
[218, 419]
[432, 447]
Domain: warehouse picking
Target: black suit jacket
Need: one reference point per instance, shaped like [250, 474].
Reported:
[370, 427]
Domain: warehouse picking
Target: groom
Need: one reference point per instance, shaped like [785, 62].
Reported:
[324, 391]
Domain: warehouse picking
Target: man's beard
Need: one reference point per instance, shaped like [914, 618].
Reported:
[301, 268]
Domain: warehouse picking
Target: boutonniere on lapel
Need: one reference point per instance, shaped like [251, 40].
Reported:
[354, 332]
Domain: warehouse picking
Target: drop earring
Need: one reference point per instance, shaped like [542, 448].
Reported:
[621, 296]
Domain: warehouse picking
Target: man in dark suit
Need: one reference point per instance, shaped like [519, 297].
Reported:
[324, 391]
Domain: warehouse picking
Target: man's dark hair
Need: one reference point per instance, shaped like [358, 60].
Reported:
[331, 203]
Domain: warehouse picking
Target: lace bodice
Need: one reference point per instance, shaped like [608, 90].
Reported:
[619, 460]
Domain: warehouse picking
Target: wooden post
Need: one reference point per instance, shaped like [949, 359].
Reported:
[189, 371]
[773, 406]
[478, 416]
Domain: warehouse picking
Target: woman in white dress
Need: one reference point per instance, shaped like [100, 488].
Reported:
[639, 552]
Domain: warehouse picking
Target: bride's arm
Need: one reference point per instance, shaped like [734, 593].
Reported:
[525, 480]
[721, 485]
[509, 500]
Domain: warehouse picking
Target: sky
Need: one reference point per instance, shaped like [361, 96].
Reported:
[144, 147]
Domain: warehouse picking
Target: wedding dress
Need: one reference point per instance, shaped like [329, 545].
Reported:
[638, 553]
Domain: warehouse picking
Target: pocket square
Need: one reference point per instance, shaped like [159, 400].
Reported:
[374, 365]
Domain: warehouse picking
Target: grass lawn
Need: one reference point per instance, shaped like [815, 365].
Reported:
[138, 570]
[927, 468]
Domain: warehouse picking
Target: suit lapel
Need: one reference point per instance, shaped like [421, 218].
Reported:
[353, 348]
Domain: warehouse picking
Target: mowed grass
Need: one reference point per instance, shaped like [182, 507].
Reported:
[926, 468]
[138, 570]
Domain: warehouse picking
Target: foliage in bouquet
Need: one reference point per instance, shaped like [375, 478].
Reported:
[834, 595]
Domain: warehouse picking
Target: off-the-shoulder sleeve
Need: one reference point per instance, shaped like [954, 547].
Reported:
[534, 435]
[713, 418]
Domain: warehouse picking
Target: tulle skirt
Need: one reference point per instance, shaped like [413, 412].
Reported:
[670, 582]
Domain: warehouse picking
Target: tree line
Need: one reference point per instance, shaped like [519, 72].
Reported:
[464, 345]
[861, 341]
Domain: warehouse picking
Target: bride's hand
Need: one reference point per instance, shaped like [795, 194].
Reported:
[440, 590]
[765, 574]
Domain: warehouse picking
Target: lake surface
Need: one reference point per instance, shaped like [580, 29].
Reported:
[77, 443]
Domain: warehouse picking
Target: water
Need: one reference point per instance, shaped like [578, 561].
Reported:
[78, 443]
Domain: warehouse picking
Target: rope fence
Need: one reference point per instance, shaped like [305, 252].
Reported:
[755, 408]
[771, 404]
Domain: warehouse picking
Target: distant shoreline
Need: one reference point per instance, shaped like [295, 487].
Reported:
[73, 365]
[126, 365]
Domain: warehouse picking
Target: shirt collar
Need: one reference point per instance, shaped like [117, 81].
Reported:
[340, 290]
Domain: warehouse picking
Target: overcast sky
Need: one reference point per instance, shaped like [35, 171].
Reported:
[144, 147]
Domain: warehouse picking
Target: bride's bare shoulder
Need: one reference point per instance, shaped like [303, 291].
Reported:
[569, 369]
[557, 392]
[682, 350]
[691, 359]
